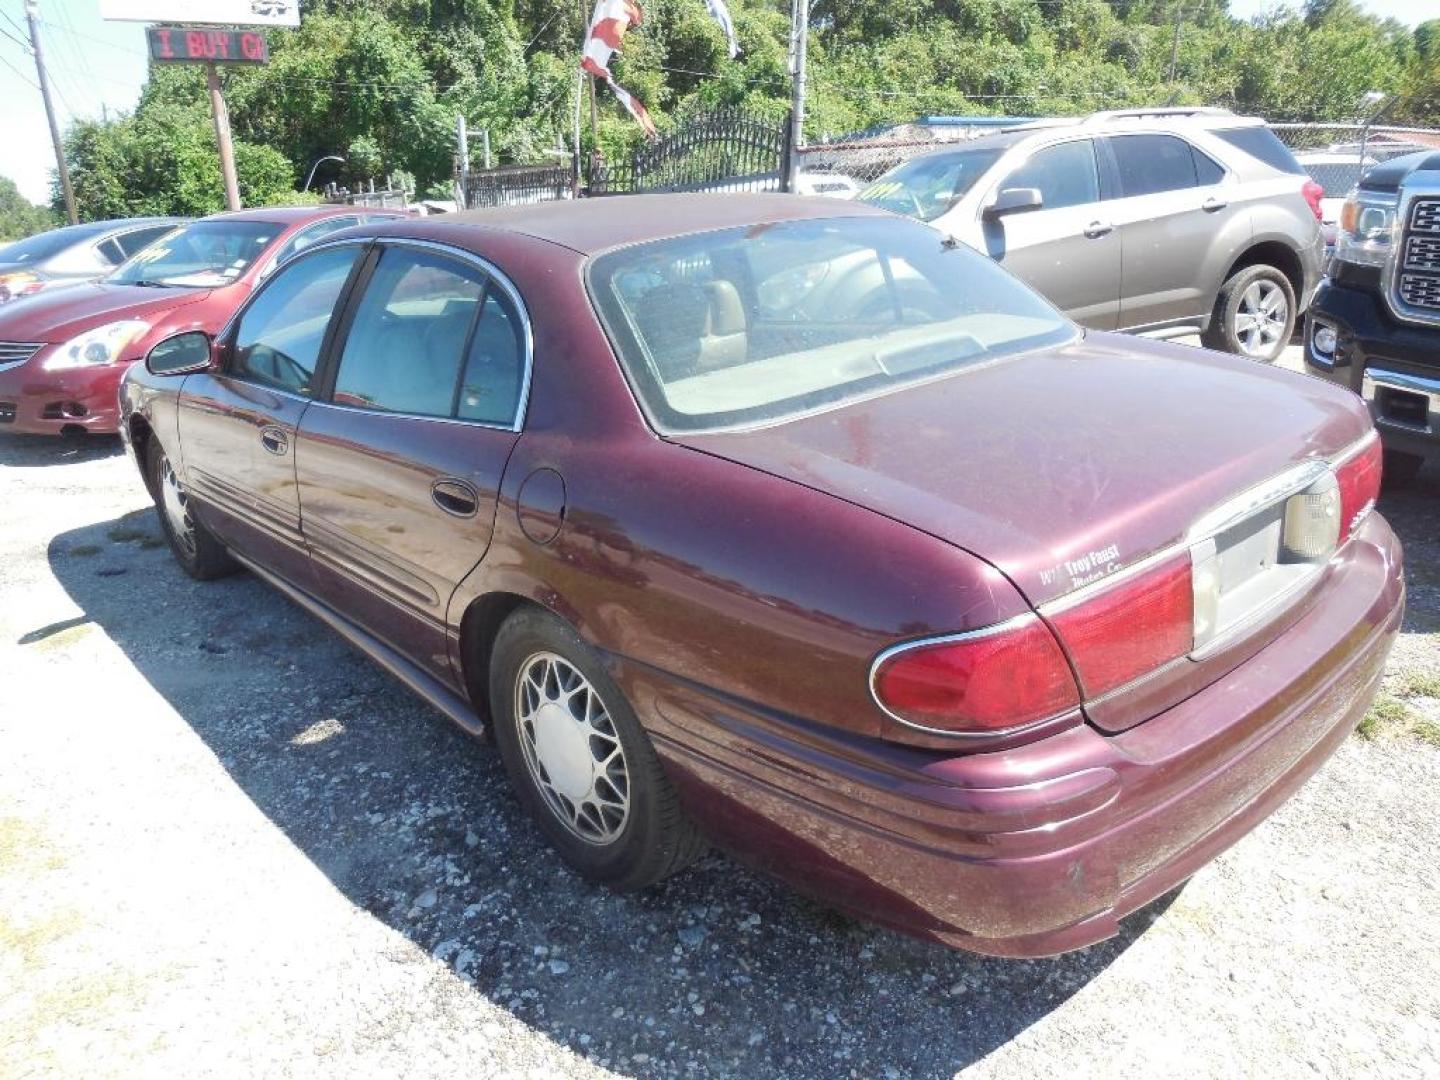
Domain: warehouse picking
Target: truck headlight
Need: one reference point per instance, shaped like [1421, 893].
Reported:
[1367, 228]
[102, 345]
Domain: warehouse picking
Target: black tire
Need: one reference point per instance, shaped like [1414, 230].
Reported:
[200, 555]
[1225, 333]
[1401, 469]
[656, 838]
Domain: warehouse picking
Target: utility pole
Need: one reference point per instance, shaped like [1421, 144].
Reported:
[799, 33]
[32, 14]
[222, 136]
[462, 158]
[1175, 42]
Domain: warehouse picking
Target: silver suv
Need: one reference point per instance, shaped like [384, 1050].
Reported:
[1162, 221]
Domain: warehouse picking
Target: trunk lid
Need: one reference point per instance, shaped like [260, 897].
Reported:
[1062, 466]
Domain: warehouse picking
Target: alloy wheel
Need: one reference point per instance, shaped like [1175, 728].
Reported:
[1262, 318]
[571, 748]
[177, 507]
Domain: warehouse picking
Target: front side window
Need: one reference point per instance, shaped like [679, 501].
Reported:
[433, 336]
[133, 242]
[207, 254]
[925, 187]
[1065, 175]
[278, 340]
[312, 235]
[1150, 164]
[752, 325]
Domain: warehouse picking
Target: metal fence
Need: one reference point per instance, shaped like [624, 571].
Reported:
[729, 150]
[514, 185]
[392, 198]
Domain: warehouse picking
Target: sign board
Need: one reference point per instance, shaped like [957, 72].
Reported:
[204, 45]
[205, 12]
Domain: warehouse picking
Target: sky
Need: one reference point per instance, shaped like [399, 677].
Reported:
[96, 65]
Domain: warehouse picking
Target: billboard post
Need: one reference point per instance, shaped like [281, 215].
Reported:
[205, 44]
[61, 165]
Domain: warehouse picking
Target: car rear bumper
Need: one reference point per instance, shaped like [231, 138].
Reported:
[1042, 848]
[1394, 366]
[34, 401]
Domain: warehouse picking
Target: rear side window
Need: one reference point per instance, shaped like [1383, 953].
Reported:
[1065, 175]
[1261, 142]
[1150, 164]
[279, 337]
[1207, 171]
[433, 337]
[111, 252]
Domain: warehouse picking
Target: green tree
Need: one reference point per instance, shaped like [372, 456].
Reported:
[19, 217]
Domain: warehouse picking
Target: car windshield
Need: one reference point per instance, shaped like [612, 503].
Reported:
[205, 254]
[759, 324]
[38, 248]
[925, 187]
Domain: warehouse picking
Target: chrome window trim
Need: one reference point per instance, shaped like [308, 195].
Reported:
[1007, 625]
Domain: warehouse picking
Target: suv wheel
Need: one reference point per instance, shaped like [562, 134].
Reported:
[579, 760]
[1254, 314]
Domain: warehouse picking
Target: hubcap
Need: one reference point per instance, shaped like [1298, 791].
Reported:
[1261, 319]
[177, 507]
[571, 748]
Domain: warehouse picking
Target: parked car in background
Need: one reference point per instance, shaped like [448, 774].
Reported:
[1337, 171]
[777, 521]
[830, 185]
[62, 353]
[1375, 323]
[74, 254]
[1164, 221]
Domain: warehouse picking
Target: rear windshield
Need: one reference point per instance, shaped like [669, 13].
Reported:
[754, 325]
[1260, 142]
[38, 248]
[925, 187]
[206, 254]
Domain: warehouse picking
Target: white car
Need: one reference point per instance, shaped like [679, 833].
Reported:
[1337, 170]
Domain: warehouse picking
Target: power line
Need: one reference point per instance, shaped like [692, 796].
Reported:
[20, 74]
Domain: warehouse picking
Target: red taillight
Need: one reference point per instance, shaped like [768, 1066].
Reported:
[1007, 677]
[1313, 193]
[1130, 629]
[1359, 480]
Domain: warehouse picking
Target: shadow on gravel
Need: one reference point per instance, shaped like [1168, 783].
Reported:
[718, 970]
[41, 451]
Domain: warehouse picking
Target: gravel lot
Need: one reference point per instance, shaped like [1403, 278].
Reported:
[229, 846]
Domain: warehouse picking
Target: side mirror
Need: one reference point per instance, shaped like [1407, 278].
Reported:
[1015, 200]
[182, 354]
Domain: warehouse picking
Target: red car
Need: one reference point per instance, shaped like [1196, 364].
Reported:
[62, 352]
[794, 526]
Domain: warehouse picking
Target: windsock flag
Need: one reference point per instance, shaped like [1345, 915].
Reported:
[607, 27]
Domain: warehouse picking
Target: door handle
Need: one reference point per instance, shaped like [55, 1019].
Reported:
[455, 497]
[1213, 205]
[274, 439]
[1097, 229]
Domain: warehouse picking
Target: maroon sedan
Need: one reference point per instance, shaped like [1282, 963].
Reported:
[795, 527]
[62, 352]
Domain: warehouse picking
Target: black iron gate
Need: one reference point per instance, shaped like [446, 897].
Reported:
[720, 150]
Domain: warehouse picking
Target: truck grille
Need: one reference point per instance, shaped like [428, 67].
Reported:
[1418, 283]
[14, 353]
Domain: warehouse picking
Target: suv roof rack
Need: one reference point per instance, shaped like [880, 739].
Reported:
[1160, 111]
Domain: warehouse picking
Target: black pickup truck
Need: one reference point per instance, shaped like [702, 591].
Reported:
[1374, 326]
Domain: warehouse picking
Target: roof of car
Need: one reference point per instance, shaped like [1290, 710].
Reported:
[295, 215]
[588, 226]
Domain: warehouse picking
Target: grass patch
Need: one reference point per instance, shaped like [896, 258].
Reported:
[124, 534]
[85, 549]
[1418, 684]
[1392, 718]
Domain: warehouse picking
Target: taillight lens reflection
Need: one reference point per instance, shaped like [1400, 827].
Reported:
[1132, 628]
[1314, 194]
[1359, 480]
[1009, 677]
